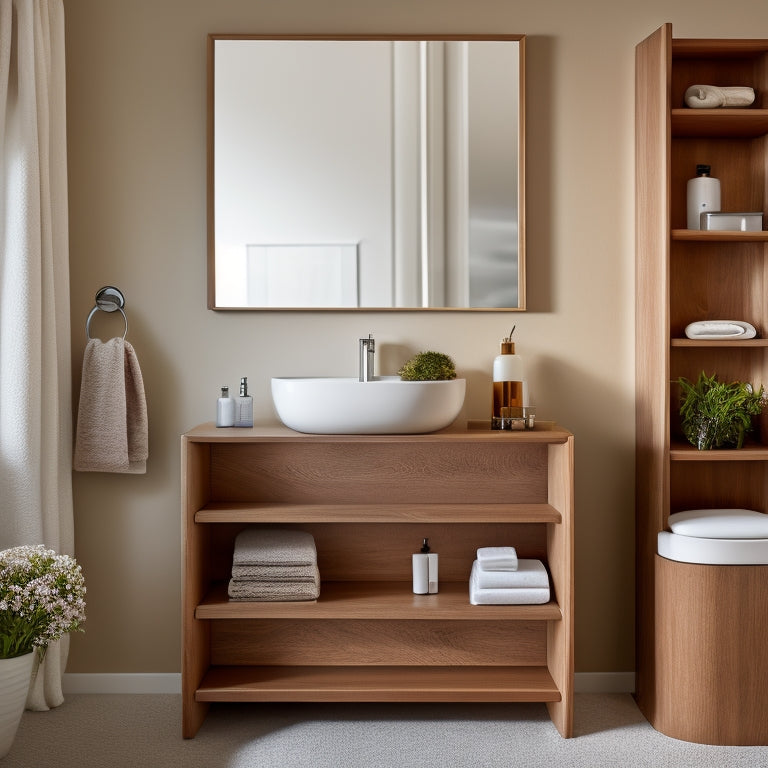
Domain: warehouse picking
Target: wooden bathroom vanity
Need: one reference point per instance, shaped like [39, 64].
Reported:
[369, 500]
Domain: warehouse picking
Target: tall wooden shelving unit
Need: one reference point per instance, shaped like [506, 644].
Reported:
[368, 500]
[695, 682]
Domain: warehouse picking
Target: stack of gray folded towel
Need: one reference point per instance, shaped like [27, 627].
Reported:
[274, 565]
[499, 578]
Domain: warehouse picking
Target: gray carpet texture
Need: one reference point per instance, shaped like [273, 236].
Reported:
[144, 731]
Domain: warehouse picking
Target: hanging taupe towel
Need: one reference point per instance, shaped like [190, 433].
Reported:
[112, 416]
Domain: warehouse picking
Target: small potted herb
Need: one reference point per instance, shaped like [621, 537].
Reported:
[428, 366]
[716, 414]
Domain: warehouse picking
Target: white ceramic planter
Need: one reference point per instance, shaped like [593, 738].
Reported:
[14, 684]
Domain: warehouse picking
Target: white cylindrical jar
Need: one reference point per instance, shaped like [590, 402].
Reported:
[703, 196]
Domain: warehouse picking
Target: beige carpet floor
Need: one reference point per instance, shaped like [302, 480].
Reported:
[144, 731]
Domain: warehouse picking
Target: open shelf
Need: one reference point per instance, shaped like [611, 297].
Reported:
[376, 600]
[247, 512]
[719, 236]
[750, 452]
[720, 123]
[378, 683]
[725, 344]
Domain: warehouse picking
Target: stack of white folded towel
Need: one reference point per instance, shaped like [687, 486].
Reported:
[499, 578]
[274, 565]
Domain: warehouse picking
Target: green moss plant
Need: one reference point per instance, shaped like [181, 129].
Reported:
[428, 366]
[716, 414]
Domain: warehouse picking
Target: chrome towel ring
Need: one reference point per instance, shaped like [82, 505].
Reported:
[108, 299]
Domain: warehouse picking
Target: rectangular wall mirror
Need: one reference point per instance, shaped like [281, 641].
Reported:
[366, 173]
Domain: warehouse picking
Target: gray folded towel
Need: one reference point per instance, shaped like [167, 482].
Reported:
[269, 546]
[274, 572]
[274, 591]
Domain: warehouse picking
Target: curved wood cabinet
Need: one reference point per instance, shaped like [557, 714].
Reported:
[368, 500]
[693, 653]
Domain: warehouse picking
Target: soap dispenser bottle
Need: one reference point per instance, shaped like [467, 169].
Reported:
[244, 406]
[508, 383]
[425, 571]
[703, 196]
[225, 409]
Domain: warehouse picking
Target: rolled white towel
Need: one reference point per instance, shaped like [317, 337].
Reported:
[529, 574]
[720, 329]
[523, 596]
[713, 96]
[497, 558]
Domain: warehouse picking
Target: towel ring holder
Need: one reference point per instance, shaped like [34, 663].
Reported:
[108, 299]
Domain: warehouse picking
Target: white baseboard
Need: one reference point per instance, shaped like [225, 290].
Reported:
[584, 682]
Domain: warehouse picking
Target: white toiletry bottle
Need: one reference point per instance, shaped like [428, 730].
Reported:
[703, 196]
[425, 571]
[244, 406]
[508, 384]
[225, 409]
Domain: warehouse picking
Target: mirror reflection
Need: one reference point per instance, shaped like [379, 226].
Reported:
[356, 173]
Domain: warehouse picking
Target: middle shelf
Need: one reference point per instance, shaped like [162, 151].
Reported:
[386, 600]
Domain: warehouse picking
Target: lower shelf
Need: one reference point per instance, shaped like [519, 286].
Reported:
[378, 683]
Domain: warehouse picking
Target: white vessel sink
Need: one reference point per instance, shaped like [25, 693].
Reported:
[386, 405]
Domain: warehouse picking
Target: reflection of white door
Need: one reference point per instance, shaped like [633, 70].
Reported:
[302, 276]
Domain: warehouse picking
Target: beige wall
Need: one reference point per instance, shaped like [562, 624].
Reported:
[136, 77]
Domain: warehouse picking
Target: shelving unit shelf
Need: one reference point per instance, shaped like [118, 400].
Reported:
[684, 276]
[368, 500]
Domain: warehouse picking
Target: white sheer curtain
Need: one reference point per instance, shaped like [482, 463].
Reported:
[35, 381]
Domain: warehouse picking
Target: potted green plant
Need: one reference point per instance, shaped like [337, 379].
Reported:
[716, 414]
[42, 597]
[428, 366]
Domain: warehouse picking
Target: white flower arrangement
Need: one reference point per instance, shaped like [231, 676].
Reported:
[42, 597]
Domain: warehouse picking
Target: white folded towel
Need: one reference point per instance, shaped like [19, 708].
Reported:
[497, 558]
[530, 574]
[522, 596]
[720, 329]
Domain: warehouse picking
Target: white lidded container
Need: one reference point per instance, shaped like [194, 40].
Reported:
[703, 196]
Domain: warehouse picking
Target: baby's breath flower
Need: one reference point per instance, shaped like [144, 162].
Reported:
[42, 597]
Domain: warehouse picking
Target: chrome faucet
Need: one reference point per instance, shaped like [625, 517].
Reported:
[367, 350]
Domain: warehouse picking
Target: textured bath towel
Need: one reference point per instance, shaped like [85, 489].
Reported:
[522, 596]
[112, 430]
[274, 572]
[274, 591]
[529, 574]
[274, 546]
[497, 558]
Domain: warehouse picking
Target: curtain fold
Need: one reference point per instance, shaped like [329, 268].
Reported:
[35, 361]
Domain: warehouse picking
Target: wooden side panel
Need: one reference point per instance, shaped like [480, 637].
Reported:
[560, 644]
[652, 145]
[195, 458]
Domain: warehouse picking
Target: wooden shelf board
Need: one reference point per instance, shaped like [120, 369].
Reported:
[731, 344]
[379, 683]
[249, 512]
[719, 236]
[209, 433]
[751, 452]
[736, 123]
[386, 600]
